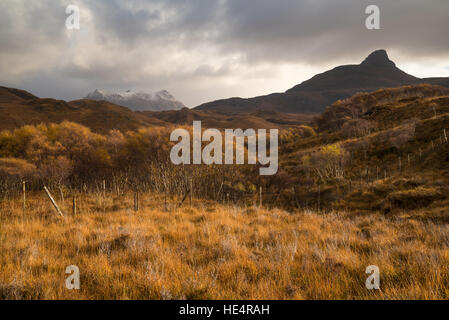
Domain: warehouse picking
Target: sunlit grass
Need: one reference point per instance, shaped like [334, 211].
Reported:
[212, 251]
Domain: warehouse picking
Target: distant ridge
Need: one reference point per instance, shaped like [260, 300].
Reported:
[139, 101]
[377, 71]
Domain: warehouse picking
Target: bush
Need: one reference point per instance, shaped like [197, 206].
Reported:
[328, 162]
[12, 168]
[13, 171]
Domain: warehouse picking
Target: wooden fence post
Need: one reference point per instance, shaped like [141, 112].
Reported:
[55, 205]
[136, 201]
[191, 192]
[319, 197]
[74, 205]
[24, 196]
[260, 196]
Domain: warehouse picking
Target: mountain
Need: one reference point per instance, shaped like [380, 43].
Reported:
[139, 101]
[314, 95]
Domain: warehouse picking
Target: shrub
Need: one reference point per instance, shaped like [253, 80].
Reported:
[329, 162]
[12, 168]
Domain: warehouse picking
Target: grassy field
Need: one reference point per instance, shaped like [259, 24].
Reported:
[212, 251]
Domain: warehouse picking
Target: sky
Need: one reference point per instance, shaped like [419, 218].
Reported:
[203, 50]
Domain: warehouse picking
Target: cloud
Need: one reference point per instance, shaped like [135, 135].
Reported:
[207, 49]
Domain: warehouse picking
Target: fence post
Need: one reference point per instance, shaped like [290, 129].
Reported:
[74, 205]
[191, 192]
[24, 196]
[55, 205]
[260, 196]
[319, 197]
[136, 201]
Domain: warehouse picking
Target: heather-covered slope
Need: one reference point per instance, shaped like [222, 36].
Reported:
[383, 151]
[19, 108]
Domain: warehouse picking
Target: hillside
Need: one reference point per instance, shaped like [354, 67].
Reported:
[19, 108]
[382, 151]
[375, 72]
[211, 119]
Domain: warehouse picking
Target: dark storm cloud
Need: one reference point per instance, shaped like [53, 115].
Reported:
[313, 31]
[188, 45]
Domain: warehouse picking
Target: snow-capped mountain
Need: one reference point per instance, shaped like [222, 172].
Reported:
[139, 101]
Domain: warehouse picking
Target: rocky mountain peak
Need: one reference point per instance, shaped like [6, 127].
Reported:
[378, 58]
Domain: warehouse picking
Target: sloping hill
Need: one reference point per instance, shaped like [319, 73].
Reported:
[211, 119]
[385, 106]
[381, 151]
[375, 72]
[11, 94]
[19, 108]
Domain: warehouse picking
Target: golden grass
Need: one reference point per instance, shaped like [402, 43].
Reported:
[216, 252]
